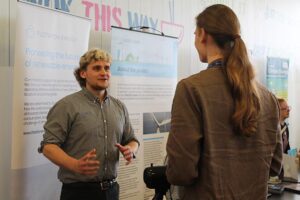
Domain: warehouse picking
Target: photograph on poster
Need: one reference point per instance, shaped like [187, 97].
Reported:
[156, 122]
[277, 76]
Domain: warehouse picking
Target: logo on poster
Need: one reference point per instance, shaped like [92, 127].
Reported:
[63, 5]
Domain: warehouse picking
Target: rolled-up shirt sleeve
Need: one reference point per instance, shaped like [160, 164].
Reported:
[128, 133]
[57, 125]
[184, 141]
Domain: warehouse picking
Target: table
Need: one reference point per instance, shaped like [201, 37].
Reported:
[286, 195]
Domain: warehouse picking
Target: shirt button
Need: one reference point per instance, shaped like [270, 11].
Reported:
[106, 137]
[104, 121]
[105, 168]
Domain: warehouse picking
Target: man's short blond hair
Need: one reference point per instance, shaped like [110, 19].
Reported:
[280, 100]
[90, 56]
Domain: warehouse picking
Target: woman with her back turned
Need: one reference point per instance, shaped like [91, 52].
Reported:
[224, 139]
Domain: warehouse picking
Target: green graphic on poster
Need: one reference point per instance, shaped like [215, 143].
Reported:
[277, 76]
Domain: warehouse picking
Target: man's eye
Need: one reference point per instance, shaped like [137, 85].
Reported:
[96, 68]
[106, 68]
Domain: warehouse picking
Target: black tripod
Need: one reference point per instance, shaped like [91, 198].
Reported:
[155, 178]
[159, 193]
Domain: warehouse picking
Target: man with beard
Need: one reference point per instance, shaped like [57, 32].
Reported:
[85, 132]
[284, 114]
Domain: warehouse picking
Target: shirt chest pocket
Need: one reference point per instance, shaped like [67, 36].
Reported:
[89, 124]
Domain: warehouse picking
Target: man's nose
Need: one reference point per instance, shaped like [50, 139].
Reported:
[102, 71]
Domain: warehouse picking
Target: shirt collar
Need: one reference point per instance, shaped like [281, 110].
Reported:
[94, 98]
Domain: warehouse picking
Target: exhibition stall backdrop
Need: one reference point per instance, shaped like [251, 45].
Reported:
[270, 29]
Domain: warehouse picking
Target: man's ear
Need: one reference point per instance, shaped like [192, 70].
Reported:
[82, 74]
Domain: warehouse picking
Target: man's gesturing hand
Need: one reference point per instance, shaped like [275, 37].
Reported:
[87, 164]
[126, 151]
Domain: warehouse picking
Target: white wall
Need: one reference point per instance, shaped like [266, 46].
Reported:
[5, 92]
[269, 28]
[5, 130]
[4, 30]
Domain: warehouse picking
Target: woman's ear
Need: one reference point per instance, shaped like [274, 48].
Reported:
[202, 35]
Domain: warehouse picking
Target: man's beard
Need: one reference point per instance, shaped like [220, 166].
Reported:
[99, 88]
